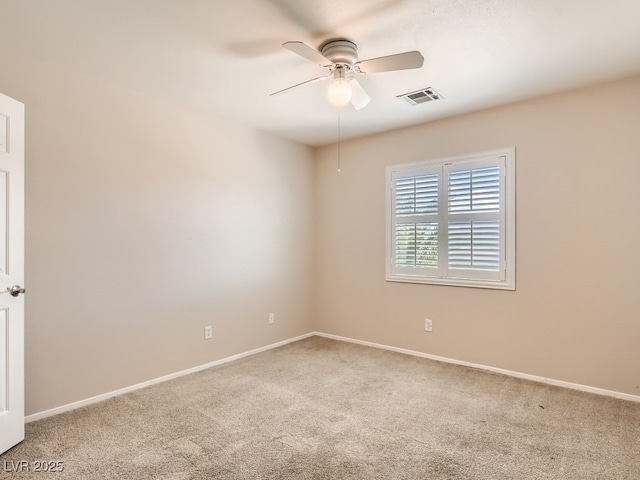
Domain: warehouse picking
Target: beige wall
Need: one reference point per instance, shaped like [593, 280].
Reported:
[575, 314]
[144, 223]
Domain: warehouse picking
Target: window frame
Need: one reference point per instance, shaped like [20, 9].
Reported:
[504, 278]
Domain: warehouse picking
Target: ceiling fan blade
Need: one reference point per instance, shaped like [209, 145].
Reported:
[307, 52]
[313, 80]
[359, 97]
[399, 61]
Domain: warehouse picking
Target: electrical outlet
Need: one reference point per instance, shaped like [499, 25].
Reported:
[428, 325]
[272, 318]
[208, 332]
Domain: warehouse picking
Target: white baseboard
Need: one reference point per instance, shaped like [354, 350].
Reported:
[535, 378]
[122, 391]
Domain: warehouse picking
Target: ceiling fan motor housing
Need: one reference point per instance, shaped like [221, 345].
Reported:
[340, 51]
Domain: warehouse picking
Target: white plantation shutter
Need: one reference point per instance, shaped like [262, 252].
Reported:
[474, 210]
[452, 222]
[417, 194]
[416, 244]
[474, 245]
[474, 190]
[416, 232]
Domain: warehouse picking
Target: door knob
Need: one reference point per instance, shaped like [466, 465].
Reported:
[16, 290]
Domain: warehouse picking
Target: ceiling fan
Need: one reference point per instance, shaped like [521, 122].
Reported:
[340, 57]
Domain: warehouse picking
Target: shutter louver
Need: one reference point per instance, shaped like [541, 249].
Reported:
[416, 245]
[417, 195]
[474, 190]
[474, 245]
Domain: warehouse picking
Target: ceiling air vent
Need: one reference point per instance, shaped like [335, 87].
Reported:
[420, 96]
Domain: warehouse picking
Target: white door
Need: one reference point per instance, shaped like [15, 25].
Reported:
[11, 272]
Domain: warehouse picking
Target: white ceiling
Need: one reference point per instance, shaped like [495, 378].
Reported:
[225, 56]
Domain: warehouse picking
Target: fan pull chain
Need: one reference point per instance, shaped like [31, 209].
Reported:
[339, 152]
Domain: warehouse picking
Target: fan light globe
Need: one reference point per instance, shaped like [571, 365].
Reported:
[339, 92]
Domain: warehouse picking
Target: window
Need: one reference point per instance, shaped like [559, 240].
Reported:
[452, 221]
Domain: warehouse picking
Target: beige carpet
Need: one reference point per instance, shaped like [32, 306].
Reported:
[322, 409]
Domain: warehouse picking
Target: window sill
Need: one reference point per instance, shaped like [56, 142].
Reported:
[453, 282]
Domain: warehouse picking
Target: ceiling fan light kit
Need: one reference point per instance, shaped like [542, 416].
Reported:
[340, 57]
[340, 91]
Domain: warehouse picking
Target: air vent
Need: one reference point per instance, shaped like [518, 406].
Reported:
[420, 96]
